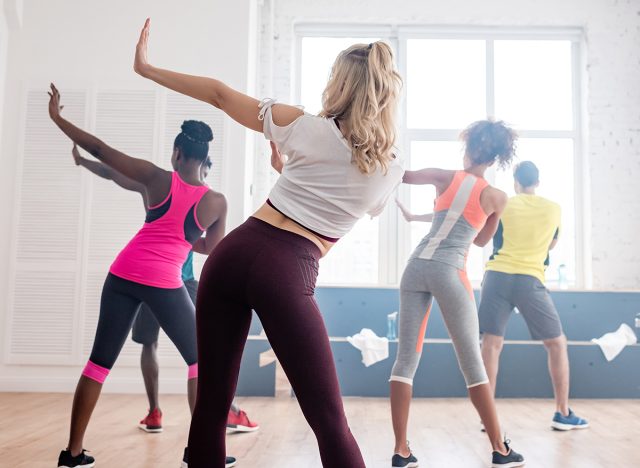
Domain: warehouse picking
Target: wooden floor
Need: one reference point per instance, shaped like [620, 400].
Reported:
[444, 433]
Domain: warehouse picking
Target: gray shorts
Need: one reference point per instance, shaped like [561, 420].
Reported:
[146, 328]
[501, 292]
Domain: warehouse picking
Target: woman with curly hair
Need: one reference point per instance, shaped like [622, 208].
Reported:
[467, 210]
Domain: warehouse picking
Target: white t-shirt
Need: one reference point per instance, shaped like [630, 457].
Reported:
[320, 188]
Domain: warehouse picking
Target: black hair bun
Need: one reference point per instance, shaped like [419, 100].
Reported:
[197, 131]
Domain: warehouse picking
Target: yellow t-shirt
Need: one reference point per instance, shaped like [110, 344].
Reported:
[521, 244]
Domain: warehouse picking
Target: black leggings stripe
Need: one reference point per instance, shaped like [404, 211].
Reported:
[120, 300]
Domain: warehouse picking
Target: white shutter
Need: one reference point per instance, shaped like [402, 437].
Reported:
[43, 316]
[50, 196]
[43, 294]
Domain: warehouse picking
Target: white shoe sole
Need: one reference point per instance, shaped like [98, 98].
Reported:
[508, 465]
[84, 466]
[410, 465]
[144, 428]
[567, 427]
[231, 430]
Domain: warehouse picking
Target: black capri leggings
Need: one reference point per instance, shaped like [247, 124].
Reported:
[118, 306]
[272, 271]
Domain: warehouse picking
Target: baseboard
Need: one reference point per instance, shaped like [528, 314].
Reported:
[68, 384]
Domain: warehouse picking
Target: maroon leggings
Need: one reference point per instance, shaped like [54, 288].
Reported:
[272, 271]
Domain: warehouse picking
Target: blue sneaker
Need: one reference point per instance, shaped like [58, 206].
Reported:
[568, 423]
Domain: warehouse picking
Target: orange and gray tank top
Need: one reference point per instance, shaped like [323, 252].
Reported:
[457, 219]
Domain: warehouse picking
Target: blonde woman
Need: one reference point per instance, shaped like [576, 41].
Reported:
[340, 167]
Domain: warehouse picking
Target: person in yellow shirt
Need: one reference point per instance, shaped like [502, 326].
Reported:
[514, 278]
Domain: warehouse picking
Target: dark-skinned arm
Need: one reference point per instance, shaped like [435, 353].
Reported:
[136, 169]
[215, 231]
[105, 172]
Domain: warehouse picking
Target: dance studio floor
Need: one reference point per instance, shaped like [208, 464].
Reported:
[444, 433]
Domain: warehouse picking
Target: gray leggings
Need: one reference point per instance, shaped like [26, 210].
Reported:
[423, 280]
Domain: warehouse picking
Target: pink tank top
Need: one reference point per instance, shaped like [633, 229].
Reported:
[155, 255]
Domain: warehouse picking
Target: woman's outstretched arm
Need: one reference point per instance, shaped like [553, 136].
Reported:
[429, 176]
[136, 169]
[105, 172]
[409, 216]
[240, 107]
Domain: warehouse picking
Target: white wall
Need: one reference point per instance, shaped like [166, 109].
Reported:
[612, 152]
[89, 44]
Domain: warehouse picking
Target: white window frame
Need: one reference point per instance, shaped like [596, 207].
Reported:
[395, 235]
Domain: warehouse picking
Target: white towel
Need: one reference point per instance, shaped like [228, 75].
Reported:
[613, 343]
[267, 357]
[374, 348]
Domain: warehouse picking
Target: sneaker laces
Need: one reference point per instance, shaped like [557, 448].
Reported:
[506, 443]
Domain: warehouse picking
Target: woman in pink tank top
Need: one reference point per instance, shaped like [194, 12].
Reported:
[148, 269]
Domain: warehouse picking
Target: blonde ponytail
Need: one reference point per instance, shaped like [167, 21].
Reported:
[362, 94]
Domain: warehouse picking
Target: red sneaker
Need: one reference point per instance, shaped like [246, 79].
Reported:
[153, 421]
[239, 422]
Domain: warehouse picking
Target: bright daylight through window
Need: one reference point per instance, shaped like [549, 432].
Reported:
[449, 82]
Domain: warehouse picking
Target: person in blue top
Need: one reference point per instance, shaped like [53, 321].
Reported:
[145, 327]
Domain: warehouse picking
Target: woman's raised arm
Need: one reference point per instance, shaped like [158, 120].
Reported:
[240, 107]
[136, 169]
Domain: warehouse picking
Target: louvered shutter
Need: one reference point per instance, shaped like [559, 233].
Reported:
[42, 319]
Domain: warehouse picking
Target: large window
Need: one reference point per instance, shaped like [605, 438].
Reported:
[530, 79]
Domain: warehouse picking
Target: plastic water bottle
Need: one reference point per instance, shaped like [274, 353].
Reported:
[392, 320]
[562, 276]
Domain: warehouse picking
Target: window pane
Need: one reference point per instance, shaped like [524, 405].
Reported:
[443, 155]
[354, 259]
[554, 158]
[318, 55]
[445, 83]
[533, 84]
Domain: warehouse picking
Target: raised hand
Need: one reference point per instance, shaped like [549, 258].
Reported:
[141, 63]
[404, 210]
[54, 102]
[278, 160]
